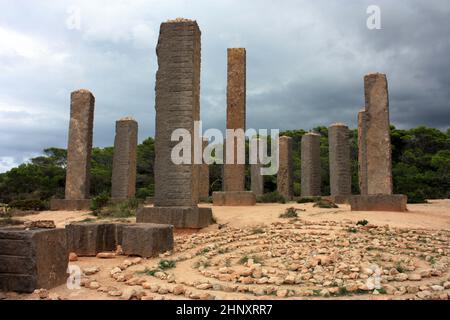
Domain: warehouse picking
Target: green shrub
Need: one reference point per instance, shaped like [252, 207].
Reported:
[417, 196]
[166, 264]
[290, 213]
[124, 209]
[143, 193]
[271, 197]
[99, 202]
[325, 204]
[29, 204]
[362, 222]
[308, 199]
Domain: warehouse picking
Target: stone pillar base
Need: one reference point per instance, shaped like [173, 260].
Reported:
[339, 199]
[379, 202]
[234, 198]
[179, 217]
[32, 259]
[70, 205]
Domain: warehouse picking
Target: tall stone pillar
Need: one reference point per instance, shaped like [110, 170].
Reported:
[285, 182]
[257, 180]
[362, 152]
[234, 193]
[177, 107]
[79, 152]
[123, 182]
[310, 165]
[375, 161]
[203, 186]
[340, 163]
[234, 174]
[378, 139]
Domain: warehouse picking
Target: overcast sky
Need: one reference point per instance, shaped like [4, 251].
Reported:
[305, 63]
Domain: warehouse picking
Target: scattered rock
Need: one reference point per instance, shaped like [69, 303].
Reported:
[106, 255]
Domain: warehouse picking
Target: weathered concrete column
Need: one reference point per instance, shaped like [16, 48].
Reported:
[203, 187]
[285, 181]
[123, 182]
[362, 152]
[257, 180]
[375, 161]
[340, 164]
[177, 107]
[310, 165]
[234, 193]
[79, 152]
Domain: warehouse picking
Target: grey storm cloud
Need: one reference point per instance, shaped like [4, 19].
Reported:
[305, 63]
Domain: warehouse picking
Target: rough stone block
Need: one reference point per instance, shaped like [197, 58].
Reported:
[378, 202]
[32, 259]
[70, 205]
[88, 239]
[234, 198]
[147, 239]
[179, 217]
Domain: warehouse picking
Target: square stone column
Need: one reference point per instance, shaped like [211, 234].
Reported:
[257, 180]
[234, 174]
[378, 139]
[203, 181]
[177, 107]
[285, 181]
[362, 152]
[310, 165]
[375, 160]
[79, 151]
[123, 182]
[340, 163]
[234, 193]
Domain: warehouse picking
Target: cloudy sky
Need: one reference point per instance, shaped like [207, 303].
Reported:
[305, 63]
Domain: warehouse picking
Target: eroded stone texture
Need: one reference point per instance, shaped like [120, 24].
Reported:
[377, 136]
[378, 202]
[147, 239]
[340, 164]
[32, 259]
[203, 187]
[234, 174]
[362, 152]
[257, 180]
[80, 145]
[123, 182]
[234, 198]
[310, 165]
[285, 181]
[88, 239]
[177, 107]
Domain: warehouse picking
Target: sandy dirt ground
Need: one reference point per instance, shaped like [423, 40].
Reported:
[282, 257]
[434, 215]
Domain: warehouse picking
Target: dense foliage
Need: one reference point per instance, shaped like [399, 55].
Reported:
[420, 165]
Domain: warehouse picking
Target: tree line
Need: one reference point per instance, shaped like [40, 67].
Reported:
[420, 167]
